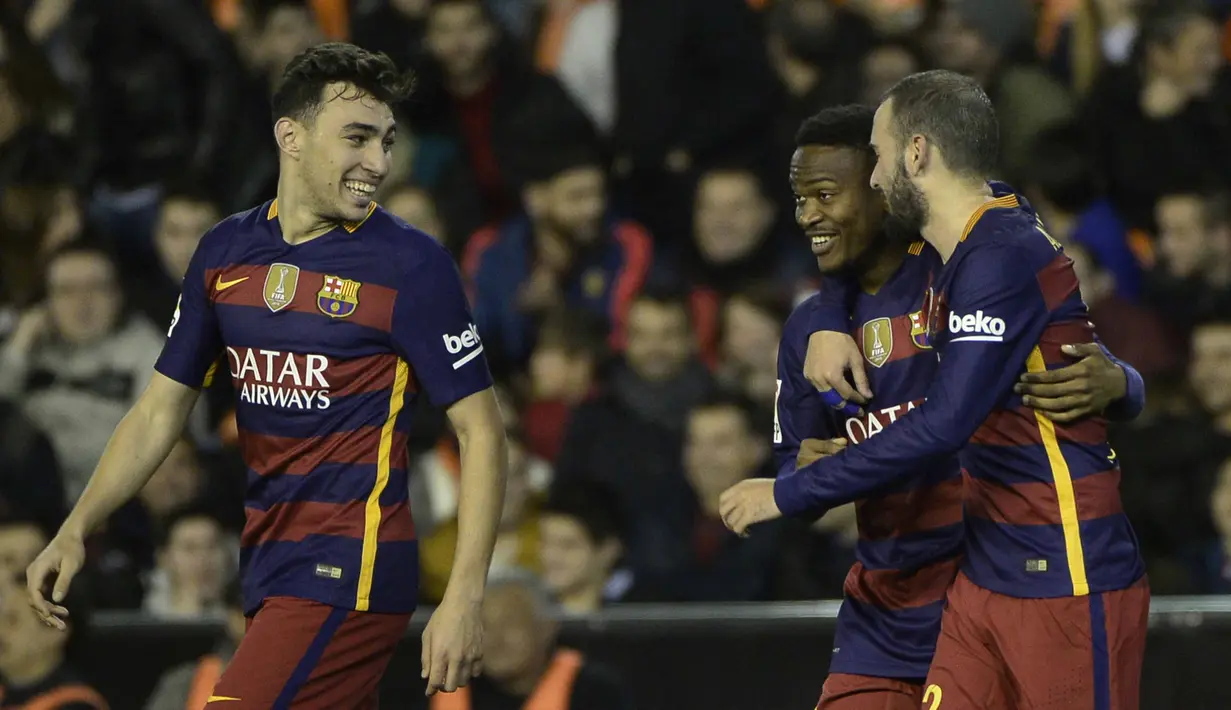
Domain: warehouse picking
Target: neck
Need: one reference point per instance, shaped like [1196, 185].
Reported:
[298, 221]
[583, 600]
[33, 669]
[949, 211]
[884, 266]
[463, 86]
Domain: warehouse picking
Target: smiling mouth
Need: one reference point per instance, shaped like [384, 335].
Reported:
[822, 243]
[359, 188]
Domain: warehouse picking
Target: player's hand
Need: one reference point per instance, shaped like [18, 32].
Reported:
[830, 356]
[63, 557]
[1084, 388]
[748, 503]
[815, 449]
[452, 645]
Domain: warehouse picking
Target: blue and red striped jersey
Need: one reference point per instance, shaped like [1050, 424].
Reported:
[328, 343]
[910, 533]
[1043, 516]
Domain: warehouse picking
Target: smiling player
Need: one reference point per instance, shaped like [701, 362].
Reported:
[910, 535]
[332, 316]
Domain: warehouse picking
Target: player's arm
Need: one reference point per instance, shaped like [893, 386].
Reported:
[975, 375]
[1097, 383]
[433, 330]
[799, 413]
[143, 439]
[830, 325]
[480, 432]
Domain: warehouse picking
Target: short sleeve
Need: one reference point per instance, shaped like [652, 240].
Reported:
[434, 331]
[194, 341]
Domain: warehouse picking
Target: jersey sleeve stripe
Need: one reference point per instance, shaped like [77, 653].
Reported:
[372, 514]
[1066, 498]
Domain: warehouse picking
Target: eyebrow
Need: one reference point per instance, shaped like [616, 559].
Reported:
[366, 128]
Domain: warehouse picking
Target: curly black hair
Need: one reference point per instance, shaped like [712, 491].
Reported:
[300, 93]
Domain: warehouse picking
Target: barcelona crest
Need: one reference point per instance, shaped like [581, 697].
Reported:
[338, 297]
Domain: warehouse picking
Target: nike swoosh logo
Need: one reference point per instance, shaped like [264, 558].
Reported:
[1112, 455]
[224, 285]
[219, 698]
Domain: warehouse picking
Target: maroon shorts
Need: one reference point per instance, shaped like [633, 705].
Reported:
[844, 691]
[304, 655]
[1006, 653]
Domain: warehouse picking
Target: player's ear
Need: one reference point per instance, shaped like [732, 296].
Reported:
[288, 133]
[918, 154]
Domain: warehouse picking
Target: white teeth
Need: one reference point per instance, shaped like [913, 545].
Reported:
[360, 188]
[820, 241]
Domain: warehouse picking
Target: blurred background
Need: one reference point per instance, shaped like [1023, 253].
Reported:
[611, 176]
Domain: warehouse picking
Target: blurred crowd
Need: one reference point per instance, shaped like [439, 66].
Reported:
[611, 176]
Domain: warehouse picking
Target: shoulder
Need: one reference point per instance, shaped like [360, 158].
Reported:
[231, 231]
[798, 325]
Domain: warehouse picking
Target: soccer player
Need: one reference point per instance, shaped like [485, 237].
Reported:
[910, 535]
[332, 316]
[1050, 607]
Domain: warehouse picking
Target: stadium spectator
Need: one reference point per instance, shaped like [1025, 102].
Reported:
[1135, 333]
[189, 686]
[517, 538]
[751, 329]
[1060, 180]
[1159, 124]
[521, 658]
[471, 91]
[580, 548]
[191, 569]
[563, 372]
[35, 666]
[415, 205]
[76, 364]
[738, 240]
[566, 250]
[1170, 458]
[723, 446]
[183, 216]
[1191, 279]
[983, 38]
[628, 436]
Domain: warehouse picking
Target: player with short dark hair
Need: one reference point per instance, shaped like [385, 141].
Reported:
[1051, 604]
[332, 316]
[910, 534]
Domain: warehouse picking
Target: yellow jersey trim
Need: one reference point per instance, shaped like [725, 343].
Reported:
[350, 227]
[1008, 201]
[1063, 480]
[371, 513]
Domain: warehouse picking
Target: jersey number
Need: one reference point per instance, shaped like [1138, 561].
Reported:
[932, 695]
